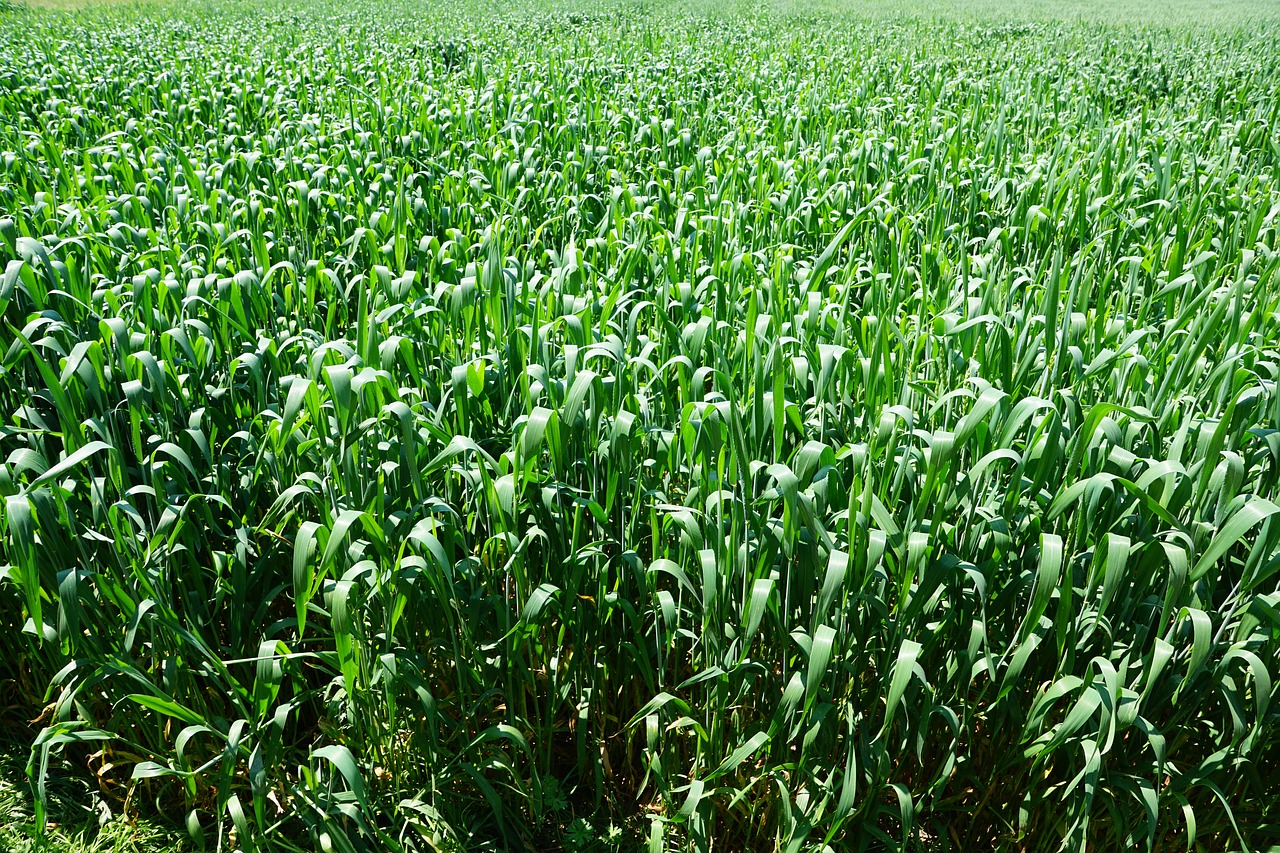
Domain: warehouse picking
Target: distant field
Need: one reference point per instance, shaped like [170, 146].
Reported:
[1158, 13]
[610, 427]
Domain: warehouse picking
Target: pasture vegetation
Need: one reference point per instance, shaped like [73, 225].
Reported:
[460, 427]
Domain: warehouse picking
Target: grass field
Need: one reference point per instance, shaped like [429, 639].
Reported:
[659, 427]
[1219, 14]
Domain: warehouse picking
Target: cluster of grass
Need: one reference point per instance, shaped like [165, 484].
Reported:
[519, 427]
[80, 822]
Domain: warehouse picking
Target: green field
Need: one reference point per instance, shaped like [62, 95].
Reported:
[1219, 14]
[703, 426]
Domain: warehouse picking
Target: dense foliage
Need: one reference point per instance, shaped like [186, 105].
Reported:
[438, 428]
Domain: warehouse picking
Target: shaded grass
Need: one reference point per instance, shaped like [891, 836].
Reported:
[77, 821]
